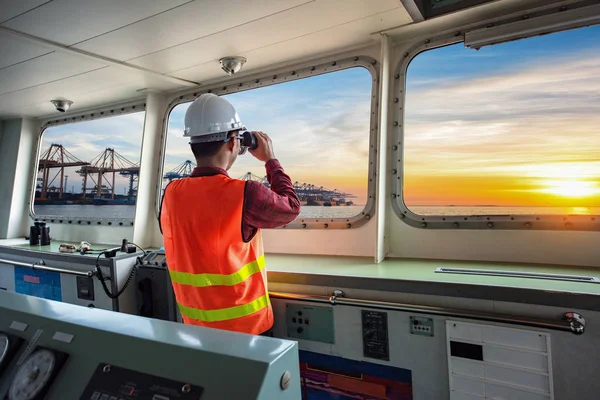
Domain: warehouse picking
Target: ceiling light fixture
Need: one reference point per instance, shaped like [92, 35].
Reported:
[232, 65]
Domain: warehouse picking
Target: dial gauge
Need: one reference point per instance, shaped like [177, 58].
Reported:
[33, 375]
[4, 342]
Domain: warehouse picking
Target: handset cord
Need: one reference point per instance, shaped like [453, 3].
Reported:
[103, 280]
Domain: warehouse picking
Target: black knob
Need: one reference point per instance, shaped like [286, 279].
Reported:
[300, 329]
[91, 305]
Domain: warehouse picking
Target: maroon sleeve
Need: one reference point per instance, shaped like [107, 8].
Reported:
[270, 208]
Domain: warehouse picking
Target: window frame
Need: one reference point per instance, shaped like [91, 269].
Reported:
[288, 74]
[102, 113]
[456, 222]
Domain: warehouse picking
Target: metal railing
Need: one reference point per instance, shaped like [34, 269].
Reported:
[43, 267]
[570, 322]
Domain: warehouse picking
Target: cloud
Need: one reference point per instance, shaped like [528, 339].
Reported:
[319, 127]
[86, 140]
[522, 120]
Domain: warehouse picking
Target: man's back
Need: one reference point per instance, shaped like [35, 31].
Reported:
[219, 279]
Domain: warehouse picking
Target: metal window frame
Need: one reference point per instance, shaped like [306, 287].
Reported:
[497, 222]
[287, 75]
[102, 113]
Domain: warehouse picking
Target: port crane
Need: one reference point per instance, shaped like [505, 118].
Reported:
[56, 157]
[108, 162]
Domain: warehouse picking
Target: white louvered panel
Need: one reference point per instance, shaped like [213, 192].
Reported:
[466, 367]
[465, 385]
[89, 18]
[498, 363]
[517, 358]
[515, 338]
[530, 380]
[469, 332]
[534, 380]
[499, 392]
[464, 396]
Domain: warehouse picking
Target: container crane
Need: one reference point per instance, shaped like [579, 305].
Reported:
[108, 162]
[56, 156]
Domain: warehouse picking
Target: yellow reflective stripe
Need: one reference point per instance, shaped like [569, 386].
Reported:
[225, 313]
[203, 280]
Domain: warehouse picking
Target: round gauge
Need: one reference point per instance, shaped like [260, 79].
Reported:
[32, 376]
[3, 347]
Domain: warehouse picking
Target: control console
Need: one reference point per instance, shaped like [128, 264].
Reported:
[52, 350]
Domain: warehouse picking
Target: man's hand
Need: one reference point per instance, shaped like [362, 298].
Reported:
[264, 149]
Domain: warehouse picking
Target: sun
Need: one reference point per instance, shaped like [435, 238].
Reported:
[572, 188]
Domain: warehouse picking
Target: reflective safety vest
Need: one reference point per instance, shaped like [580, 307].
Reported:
[219, 280]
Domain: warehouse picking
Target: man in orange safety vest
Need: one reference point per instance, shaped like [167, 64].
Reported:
[211, 223]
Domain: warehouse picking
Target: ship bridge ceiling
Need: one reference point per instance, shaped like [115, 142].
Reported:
[99, 52]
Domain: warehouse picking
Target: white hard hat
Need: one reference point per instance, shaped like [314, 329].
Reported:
[209, 118]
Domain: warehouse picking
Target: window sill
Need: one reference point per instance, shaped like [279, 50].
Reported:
[419, 277]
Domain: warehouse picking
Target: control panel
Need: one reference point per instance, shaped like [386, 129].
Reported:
[310, 323]
[52, 350]
[110, 382]
[421, 326]
[375, 335]
[156, 258]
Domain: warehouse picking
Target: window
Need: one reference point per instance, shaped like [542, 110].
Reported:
[511, 129]
[320, 127]
[89, 169]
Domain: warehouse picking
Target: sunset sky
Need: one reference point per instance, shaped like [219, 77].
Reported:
[516, 124]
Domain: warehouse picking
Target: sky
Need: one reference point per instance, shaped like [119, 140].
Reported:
[517, 124]
[319, 127]
[86, 140]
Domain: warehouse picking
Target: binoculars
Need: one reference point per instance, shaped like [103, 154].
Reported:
[39, 234]
[249, 140]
